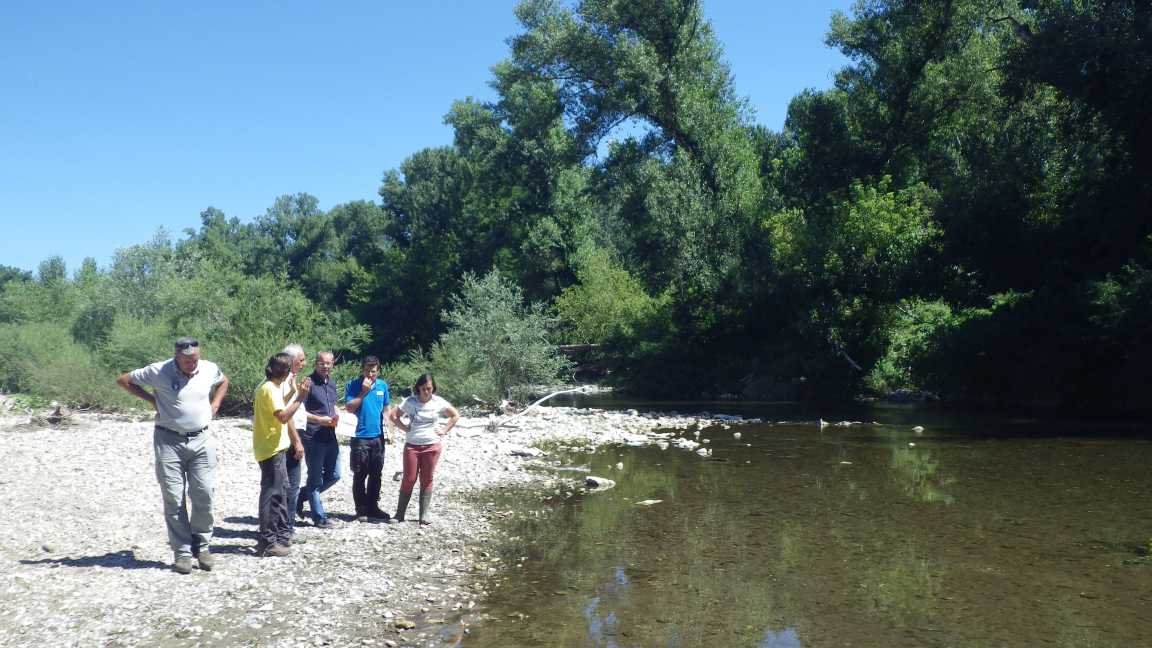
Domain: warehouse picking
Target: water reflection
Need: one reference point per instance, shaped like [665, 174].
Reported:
[602, 623]
[801, 537]
[786, 638]
[917, 472]
[902, 586]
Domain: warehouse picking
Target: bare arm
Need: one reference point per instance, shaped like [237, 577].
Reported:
[294, 438]
[386, 423]
[453, 417]
[218, 396]
[353, 404]
[324, 421]
[125, 381]
[394, 415]
[285, 415]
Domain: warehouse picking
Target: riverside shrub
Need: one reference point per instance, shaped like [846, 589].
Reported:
[496, 346]
[44, 359]
[607, 302]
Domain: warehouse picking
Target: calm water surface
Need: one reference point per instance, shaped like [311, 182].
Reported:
[980, 531]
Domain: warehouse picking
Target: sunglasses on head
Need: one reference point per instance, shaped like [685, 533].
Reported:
[180, 346]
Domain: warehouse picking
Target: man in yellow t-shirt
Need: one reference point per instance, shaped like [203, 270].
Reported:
[272, 438]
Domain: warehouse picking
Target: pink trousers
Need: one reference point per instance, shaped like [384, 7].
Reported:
[419, 459]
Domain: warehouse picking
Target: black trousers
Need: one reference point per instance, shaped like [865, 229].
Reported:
[275, 518]
[366, 459]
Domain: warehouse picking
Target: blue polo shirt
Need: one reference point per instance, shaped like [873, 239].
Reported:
[368, 421]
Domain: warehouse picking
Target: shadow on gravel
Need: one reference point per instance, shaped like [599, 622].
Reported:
[236, 534]
[243, 519]
[234, 549]
[247, 534]
[125, 559]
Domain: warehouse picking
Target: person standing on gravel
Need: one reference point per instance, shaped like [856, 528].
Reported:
[272, 441]
[367, 397]
[299, 420]
[422, 446]
[321, 448]
[186, 394]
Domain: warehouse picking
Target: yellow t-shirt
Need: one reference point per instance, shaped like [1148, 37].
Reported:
[269, 435]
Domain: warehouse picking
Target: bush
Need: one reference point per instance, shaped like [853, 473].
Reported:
[912, 336]
[242, 320]
[69, 340]
[134, 342]
[43, 359]
[495, 347]
[607, 302]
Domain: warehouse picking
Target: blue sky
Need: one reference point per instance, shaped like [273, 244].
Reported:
[117, 118]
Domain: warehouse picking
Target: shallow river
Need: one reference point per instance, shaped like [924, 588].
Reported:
[978, 531]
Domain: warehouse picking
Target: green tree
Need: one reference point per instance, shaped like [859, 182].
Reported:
[607, 302]
[10, 274]
[496, 345]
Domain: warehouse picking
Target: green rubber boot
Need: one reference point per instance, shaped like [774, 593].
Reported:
[402, 506]
[425, 505]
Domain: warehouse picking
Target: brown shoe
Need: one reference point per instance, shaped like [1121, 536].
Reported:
[276, 551]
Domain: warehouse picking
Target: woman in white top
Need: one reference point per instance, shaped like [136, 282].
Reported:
[423, 409]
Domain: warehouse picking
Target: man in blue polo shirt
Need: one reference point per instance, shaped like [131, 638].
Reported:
[367, 397]
[186, 394]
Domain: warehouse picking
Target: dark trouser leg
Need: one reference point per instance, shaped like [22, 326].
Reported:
[273, 507]
[375, 470]
[331, 464]
[310, 492]
[292, 468]
[358, 481]
[358, 462]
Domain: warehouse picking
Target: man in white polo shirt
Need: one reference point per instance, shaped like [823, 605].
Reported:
[186, 394]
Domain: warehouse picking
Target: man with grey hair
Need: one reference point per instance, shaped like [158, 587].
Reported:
[290, 388]
[186, 394]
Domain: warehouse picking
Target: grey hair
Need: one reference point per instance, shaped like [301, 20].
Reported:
[320, 353]
[294, 350]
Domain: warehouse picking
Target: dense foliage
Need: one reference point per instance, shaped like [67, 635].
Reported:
[496, 346]
[965, 211]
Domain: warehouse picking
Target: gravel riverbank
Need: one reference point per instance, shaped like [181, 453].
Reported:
[84, 559]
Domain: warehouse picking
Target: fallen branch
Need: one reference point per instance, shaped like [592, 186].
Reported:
[495, 425]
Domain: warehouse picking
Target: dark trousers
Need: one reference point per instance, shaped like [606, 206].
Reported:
[274, 515]
[292, 466]
[366, 459]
